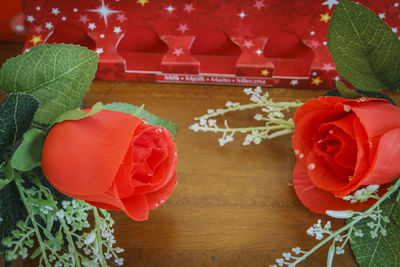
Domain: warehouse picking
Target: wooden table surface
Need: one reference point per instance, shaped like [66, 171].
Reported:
[234, 205]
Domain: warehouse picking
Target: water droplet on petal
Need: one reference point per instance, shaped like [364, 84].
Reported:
[301, 155]
[347, 108]
[296, 151]
[311, 166]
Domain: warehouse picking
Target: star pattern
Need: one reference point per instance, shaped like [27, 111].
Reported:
[264, 72]
[30, 18]
[325, 17]
[382, 15]
[55, 11]
[316, 81]
[259, 52]
[99, 51]
[178, 52]
[328, 67]
[104, 11]
[259, 4]
[92, 26]
[188, 8]
[83, 18]
[170, 9]
[36, 39]
[183, 28]
[248, 43]
[242, 15]
[294, 82]
[121, 17]
[330, 3]
[38, 29]
[315, 44]
[142, 2]
[48, 25]
[117, 30]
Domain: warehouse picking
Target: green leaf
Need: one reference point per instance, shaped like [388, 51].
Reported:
[77, 114]
[150, 118]
[12, 210]
[366, 51]
[28, 155]
[346, 92]
[382, 250]
[57, 74]
[16, 114]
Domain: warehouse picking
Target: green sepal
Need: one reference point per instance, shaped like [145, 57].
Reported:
[139, 112]
[28, 154]
[77, 114]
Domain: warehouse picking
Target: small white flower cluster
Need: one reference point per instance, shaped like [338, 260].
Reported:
[287, 257]
[363, 194]
[275, 122]
[317, 230]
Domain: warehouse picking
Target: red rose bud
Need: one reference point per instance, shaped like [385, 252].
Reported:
[112, 160]
[343, 145]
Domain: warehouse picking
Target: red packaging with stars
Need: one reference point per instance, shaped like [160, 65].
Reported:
[236, 42]
[12, 21]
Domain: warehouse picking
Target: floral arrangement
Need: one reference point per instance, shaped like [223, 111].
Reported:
[60, 164]
[346, 142]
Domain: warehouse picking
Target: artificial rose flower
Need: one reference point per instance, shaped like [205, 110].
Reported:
[343, 145]
[112, 160]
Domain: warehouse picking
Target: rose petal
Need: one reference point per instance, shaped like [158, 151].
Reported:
[377, 117]
[123, 179]
[136, 207]
[385, 167]
[318, 200]
[83, 156]
[158, 197]
[321, 174]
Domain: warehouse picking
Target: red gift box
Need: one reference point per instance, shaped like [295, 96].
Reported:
[12, 21]
[257, 42]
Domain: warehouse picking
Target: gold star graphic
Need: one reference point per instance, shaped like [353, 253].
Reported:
[142, 2]
[316, 81]
[36, 39]
[264, 72]
[325, 17]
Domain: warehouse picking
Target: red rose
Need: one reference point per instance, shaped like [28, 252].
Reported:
[112, 160]
[342, 145]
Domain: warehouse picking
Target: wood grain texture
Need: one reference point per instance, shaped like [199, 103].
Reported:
[234, 205]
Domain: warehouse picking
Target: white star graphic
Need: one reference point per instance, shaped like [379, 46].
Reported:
[99, 51]
[396, 4]
[117, 30]
[102, 36]
[48, 25]
[177, 52]
[63, 18]
[104, 11]
[248, 44]
[259, 52]
[30, 18]
[170, 9]
[75, 10]
[26, 50]
[188, 8]
[242, 14]
[182, 28]
[55, 11]
[312, 32]
[294, 82]
[337, 78]
[394, 29]
[382, 15]
[38, 8]
[92, 26]
[330, 3]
